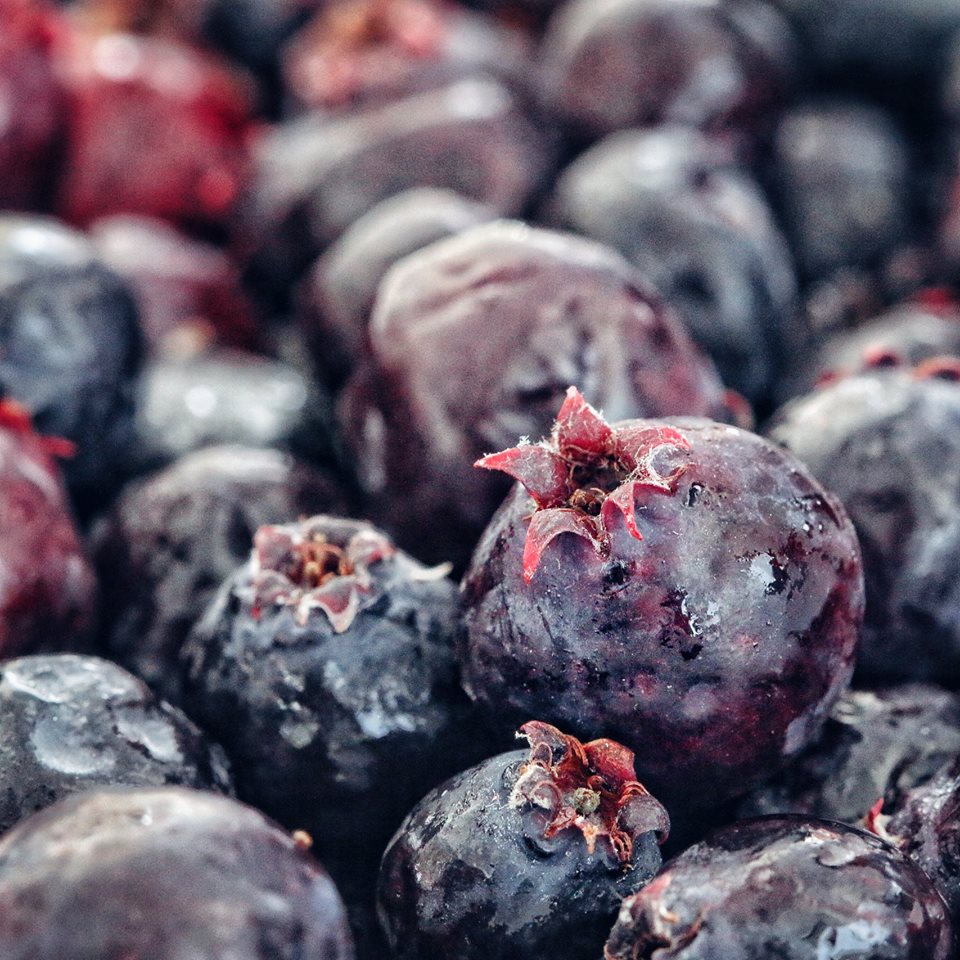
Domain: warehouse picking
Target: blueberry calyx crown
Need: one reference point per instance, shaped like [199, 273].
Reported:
[585, 474]
[298, 566]
[943, 367]
[591, 787]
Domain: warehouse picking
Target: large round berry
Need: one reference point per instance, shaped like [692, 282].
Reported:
[325, 667]
[47, 589]
[172, 538]
[165, 873]
[682, 586]
[522, 856]
[69, 344]
[887, 443]
[876, 744]
[473, 341]
[785, 887]
[70, 723]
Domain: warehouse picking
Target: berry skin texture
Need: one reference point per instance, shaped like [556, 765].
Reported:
[681, 586]
[473, 342]
[886, 443]
[70, 723]
[786, 887]
[522, 855]
[325, 667]
[164, 873]
[47, 588]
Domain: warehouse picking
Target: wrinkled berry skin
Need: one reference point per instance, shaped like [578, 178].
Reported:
[31, 102]
[71, 723]
[164, 873]
[876, 744]
[885, 442]
[468, 875]
[70, 345]
[47, 588]
[627, 63]
[925, 825]
[334, 722]
[338, 295]
[785, 887]
[473, 342]
[171, 539]
[713, 648]
[699, 228]
[141, 142]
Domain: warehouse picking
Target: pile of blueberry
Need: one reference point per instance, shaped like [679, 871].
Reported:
[385, 380]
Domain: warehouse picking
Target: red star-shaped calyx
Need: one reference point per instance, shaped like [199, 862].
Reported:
[591, 787]
[586, 474]
[303, 569]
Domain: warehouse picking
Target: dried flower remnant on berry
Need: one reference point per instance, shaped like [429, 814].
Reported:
[586, 473]
[306, 571]
[16, 418]
[591, 787]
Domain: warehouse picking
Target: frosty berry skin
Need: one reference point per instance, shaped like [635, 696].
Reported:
[71, 723]
[164, 873]
[886, 443]
[523, 855]
[786, 887]
[325, 667]
[681, 586]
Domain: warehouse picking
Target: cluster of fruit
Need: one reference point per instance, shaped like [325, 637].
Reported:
[382, 378]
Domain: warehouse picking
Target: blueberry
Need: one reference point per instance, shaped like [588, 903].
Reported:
[786, 887]
[72, 723]
[522, 855]
[164, 873]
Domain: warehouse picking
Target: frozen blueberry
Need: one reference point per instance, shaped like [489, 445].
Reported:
[338, 295]
[165, 873]
[523, 855]
[624, 63]
[876, 744]
[697, 225]
[683, 586]
[171, 538]
[325, 667]
[71, 723]
[473, 342]
[316, 175]
[70, 345]
[887, 443]
[785, 887]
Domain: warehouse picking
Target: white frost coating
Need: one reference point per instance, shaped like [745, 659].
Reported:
[60, 747]
[154, 733]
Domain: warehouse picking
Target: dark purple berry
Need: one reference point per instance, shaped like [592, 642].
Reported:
[69, 345]
[698, 227]
[785, 887]
[338, 295]
[47, 588]
[165, 873]
[625, 63]
[325, 667]
[71, 723]
[172, 538]
[682, 586]
[522, 855]
[887, 443]
[876, 744]
[473, 342]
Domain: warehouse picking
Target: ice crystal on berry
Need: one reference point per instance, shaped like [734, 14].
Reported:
[585, 474]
